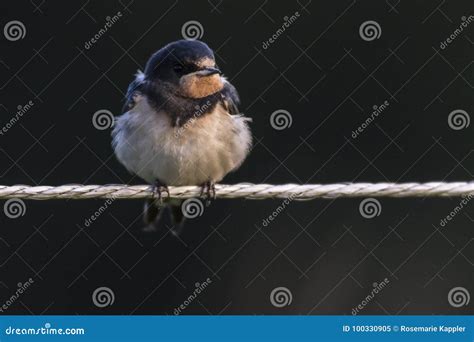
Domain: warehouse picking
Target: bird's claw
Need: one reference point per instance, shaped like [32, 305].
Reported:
[158, 189]
[208, 192]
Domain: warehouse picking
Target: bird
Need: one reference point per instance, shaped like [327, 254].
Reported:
[180, 125]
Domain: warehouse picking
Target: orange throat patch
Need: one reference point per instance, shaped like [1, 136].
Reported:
[196, 87]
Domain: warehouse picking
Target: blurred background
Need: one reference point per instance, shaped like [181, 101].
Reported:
[326, 65]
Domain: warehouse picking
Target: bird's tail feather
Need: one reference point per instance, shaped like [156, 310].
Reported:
[153, 212]
[176, 213]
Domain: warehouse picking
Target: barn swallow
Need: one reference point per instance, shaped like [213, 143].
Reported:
[181, 125]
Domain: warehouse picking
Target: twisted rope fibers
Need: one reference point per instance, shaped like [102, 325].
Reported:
[244, 190]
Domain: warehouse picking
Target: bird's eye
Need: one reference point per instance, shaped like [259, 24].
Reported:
[178, 68]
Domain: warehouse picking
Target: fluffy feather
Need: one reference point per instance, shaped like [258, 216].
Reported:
[205, 149]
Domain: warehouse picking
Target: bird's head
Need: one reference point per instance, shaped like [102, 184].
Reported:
[185, 67]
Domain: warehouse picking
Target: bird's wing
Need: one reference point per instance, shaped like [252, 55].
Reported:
[230, 99]
[133, 90]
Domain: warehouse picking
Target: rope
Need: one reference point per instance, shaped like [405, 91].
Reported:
[243, 190]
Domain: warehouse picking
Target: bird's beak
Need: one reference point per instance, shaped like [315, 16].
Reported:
[208, 71]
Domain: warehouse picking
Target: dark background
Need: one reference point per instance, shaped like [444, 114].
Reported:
[327, 77]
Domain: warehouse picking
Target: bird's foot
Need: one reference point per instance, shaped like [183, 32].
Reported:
[158, 189]
[208, 192]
